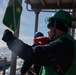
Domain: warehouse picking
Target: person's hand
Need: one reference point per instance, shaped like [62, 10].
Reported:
[31, 71]
[7, 35]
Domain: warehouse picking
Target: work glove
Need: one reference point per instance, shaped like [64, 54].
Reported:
[31, 71]
[7, 35]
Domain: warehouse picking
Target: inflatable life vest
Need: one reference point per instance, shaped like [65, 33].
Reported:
[71, 70]
[41, 40]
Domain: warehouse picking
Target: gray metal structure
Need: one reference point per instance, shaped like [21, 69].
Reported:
[14, 57]
[52, 6]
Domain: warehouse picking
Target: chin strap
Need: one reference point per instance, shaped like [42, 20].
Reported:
[54, 37]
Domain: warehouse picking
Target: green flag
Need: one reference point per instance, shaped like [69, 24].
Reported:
[12, 14]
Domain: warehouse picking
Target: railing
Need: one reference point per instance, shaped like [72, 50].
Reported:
[4, 65]
[5, 70]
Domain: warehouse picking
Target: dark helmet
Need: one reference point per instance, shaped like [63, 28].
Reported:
[62, 16]
[38, 34]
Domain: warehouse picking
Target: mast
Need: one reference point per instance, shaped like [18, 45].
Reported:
[14, 57]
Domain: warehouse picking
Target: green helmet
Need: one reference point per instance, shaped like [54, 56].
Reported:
[63, 16]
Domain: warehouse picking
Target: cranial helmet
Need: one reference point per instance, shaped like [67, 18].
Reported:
[63, 18]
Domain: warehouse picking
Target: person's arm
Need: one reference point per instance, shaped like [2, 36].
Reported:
[25, 51]
[25, 67]
[31, 54]
[56, 51]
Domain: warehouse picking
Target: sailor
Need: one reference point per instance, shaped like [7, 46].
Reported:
[58, 57]
[27, 67]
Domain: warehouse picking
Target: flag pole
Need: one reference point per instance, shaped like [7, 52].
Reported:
[14, 56]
